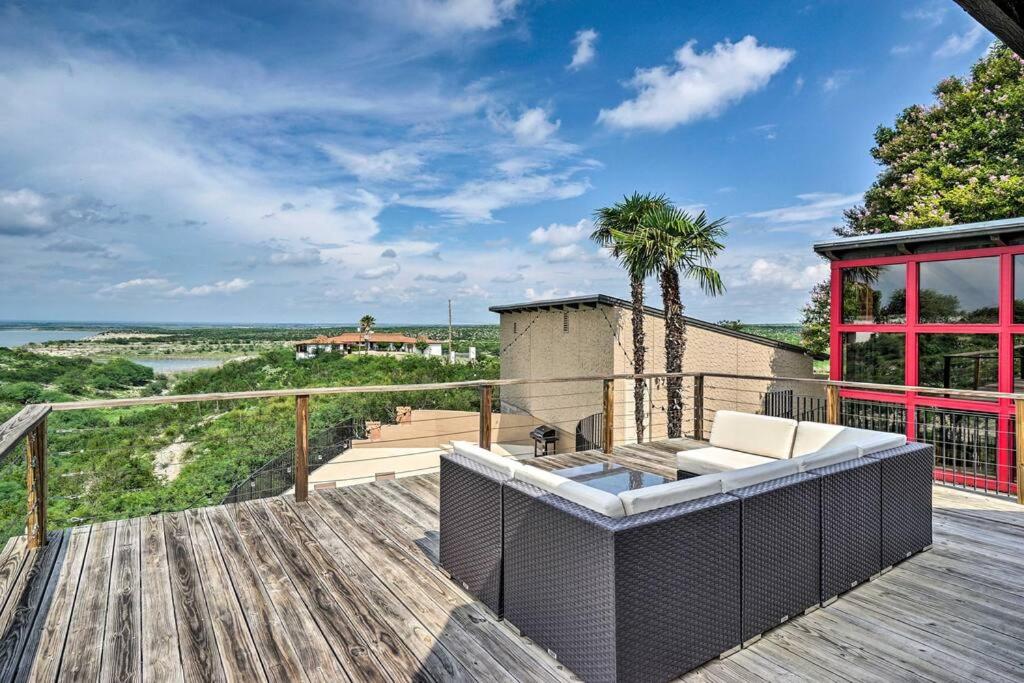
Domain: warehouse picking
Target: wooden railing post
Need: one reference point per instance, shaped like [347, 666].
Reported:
[301, 448]
[609, 415]
[1018, 406]
[832, 404]
[698, 407]
[36, 485]
[485, 416]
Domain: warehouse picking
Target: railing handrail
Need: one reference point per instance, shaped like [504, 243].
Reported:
[476, 384]
[19, 426]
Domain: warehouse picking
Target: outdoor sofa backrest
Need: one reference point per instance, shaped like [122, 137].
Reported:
[826, 457]
[670, 493]
[597, 500]
[771, 437]
[500, 464]
[748, 476]
[816, 436]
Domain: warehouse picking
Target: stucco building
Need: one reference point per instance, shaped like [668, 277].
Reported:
[592, 336]
[379, 342]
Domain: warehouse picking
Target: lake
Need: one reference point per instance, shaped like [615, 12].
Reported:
[173, 365]
[19, 337]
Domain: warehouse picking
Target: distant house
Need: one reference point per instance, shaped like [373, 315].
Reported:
[374, 342]
[592, 336]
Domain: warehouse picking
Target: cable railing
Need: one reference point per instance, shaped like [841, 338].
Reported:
[173, 452]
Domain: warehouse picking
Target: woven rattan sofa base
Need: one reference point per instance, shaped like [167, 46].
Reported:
[470, 515]
[850, 524]
[906, 500]
[643, 598]
[780, 550]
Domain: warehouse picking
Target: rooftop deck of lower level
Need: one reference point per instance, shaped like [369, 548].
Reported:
[346, 587]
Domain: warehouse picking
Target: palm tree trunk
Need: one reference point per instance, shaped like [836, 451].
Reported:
[639, 352]
[674, 345]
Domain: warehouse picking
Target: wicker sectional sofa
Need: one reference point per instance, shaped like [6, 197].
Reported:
[651, 583]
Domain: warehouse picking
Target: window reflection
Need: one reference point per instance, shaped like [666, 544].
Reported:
[875, 294]
[1018, 288]
[959, 361]
[873, 357]
[962, 291]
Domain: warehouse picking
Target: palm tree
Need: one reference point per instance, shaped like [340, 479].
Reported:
[625, 218]
[671, 243]
[366, 324]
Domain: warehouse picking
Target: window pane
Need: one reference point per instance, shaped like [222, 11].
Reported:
[1018, 288]
[875, 358]
[1018, 363]
[965, 291]
[959, 361]
[875, 294]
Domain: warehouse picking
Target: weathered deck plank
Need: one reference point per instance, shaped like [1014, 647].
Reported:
[346, 588]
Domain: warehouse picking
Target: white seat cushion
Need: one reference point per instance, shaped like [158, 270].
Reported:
[671, 493]
[771, 437]
[815, 436]
[712, 460]
[597, 500]
[498, 463]
[827, 456]
[749, 476]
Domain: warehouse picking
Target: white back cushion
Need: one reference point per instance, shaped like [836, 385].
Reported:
[815, 436]
[771, 437]
[498, 463]
[711, 460]
[597, 500]
[671, 493]
[749, 476]
[827, 456]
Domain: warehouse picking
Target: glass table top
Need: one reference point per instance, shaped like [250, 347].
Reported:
[610, 477]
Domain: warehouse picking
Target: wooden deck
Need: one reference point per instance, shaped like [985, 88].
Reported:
[345, 587]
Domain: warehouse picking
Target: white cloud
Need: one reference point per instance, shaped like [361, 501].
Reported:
[786, 274]
[585, 52]
[439, 277]
[798, 85]
[508, 278]
[534, 128]
[815, 206]
[477, 200]
[569, 253]
[303, 257]
[163, 287]
[931, 14]
[389, 164]
[898, 50]
[699, 85]
[960, 43]
[23, 212]
[447, 16]
[836, 80]
[559, 234]
[378, 272]
[551, 293]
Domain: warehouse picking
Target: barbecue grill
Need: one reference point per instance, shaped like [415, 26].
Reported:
[544, 440]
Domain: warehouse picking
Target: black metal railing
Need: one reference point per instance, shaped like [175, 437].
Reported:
[277, 475]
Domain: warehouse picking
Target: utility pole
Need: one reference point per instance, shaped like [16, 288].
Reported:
[451, 349]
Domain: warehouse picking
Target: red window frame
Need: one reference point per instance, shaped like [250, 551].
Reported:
[1004, 329]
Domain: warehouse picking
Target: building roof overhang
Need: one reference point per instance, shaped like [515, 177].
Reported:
[966, 235]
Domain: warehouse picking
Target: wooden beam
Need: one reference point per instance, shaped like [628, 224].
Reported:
[698, 407]
[15, 429]
[485, 416]
[832, 404]
[1019, 410]
[609, 415]
[35, 481]
[301, 448]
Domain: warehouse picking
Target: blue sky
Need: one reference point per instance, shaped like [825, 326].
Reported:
[315, 161]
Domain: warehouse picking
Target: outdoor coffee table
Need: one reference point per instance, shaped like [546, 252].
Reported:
[610, 477]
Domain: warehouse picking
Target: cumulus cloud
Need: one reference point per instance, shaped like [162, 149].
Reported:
[585, 52]
[814, 206]
[960, 43]
[559, 234]
[436, 277]
[389, 253]
[378, 272]
[698, 85]
[551, 293]
[389, 164]
[787, 274]
[532, 128]
[23, 212]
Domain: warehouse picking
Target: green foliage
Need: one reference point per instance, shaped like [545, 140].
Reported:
[814, 334]
[957, 160]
